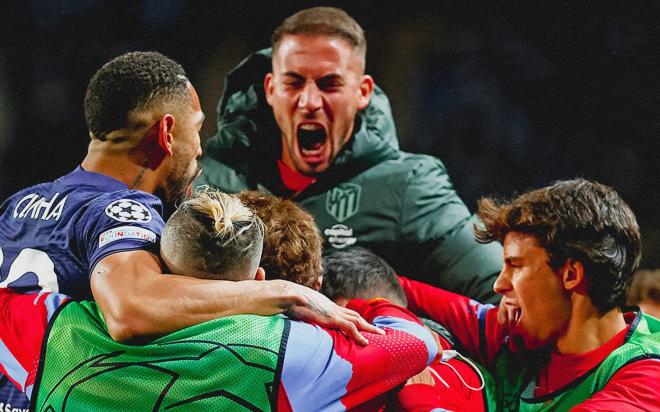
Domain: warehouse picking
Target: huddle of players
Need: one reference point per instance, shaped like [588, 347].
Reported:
[260, 362]
[558, 339]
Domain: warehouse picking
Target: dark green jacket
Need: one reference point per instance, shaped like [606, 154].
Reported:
[401, 205]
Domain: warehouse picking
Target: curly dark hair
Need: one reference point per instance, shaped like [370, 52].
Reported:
[578, 219]
[293, 244]
[132, 81]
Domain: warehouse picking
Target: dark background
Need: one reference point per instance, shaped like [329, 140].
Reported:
[509, 97]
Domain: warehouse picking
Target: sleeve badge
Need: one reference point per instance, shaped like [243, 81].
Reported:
[127, 210]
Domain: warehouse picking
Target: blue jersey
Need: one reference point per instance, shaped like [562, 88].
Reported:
[53, 234]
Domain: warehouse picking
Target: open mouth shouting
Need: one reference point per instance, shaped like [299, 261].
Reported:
[510, 314]
[312, 143]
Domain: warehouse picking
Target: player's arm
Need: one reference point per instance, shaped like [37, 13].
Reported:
[23, 323]
[434, 215]
[138, 300]
[323, 369]
[474, 324]
[633, 387]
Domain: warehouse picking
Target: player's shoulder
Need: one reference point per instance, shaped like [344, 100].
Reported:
[16, 197]
[420, 163]
[406, 169]
[128, 206]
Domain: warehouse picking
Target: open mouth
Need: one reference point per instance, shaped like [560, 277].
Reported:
[311, 140]
[516, 316]
[513, 313]
[517, 341]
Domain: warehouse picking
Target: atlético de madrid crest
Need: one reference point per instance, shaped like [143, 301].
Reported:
[343, 201]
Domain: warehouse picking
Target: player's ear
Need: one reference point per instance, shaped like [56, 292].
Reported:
[165, 138]
[318, 283]
[261, 274]
[572, 276]
[157, 143]
[268, 87]
[366, 91]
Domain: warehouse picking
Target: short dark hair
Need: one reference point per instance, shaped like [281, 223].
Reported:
[326, 21]
[293, 244]
[578, 219]
[213, 235]
[132, 81]
[357, 272]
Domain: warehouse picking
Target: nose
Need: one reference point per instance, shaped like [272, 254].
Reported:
[502, 283]
[310, 99]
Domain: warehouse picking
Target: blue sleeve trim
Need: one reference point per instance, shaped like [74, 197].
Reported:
[482, 310]
[313, 375]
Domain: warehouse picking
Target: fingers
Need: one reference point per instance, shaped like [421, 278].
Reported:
[320, 310]
[355, 324]
[365, 326]
[351, 330]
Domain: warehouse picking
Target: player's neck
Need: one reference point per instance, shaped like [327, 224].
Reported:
[588, 329]
[119, 166]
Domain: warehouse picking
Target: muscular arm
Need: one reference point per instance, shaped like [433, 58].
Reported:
[323, 369]
[138, 300]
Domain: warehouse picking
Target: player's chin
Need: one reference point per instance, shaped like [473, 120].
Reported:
[313, 165]
[313, 168]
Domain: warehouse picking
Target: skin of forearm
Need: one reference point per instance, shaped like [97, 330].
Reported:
[141, 301]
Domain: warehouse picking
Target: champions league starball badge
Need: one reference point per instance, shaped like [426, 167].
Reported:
[127, 210]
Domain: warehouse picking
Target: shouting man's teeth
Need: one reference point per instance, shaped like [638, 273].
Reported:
[311, 138]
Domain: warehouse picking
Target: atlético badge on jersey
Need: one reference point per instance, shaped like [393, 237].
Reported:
[343, 201]
[127, 210]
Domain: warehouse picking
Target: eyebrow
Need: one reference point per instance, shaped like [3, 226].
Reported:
[327, 77]
[331, 76]
[294, 75]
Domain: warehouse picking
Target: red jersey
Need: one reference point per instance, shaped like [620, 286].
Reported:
[475, 326]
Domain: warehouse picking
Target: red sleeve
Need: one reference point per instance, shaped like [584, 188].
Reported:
[324, 369]
[449, 391]
[472, 323]
[633, 387]
[388, 360]
[23, 322]
[418, 398]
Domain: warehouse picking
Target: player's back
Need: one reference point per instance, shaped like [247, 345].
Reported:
[52, 235]
[49, 233]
